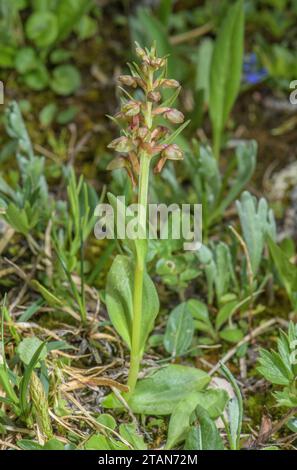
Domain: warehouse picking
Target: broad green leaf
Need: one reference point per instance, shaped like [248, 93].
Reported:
[67, 115]
[37, 79]
[7, 56]
[42, 28]
[179, 330]
[60, 55]
[119, 300]
[86, 28]
[205, 436]
[107, 420]
[200, 314]
[47, 114]
[130, 434]
[27, 444]
[232, 334]
[100, 442]
[160, 393]
[213, 401]
[225, 70]
[97, 442]
[28, 347]
[53, 444]
[203, 63]
[225, 313]
[65, 80]
[26, 60]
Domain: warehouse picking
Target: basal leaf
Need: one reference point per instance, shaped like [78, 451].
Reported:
[205, 436]
[160, 393]
[213, 401]
[130, 434]
[42, 28]
[66, 79]
[119, 299]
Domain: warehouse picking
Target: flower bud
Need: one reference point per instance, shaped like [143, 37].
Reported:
[157, 63]
[142, 132]
[140, 52]
[160, 110]
[154, 96]
[128, 80]
[134, 162]
[117, 163]
[160, 165]
[173, 152]
[174, 115]
[132, 108]
[160, 132]
[169, 83]
[121, 144]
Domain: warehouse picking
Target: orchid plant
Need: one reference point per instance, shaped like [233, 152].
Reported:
[131, 297]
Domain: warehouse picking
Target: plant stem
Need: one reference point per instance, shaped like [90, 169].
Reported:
[136, 349]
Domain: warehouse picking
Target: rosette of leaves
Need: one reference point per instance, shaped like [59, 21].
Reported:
[280, 367]
[26, 206]
[48, 24]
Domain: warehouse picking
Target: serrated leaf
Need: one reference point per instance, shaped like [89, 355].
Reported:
[17, 218]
